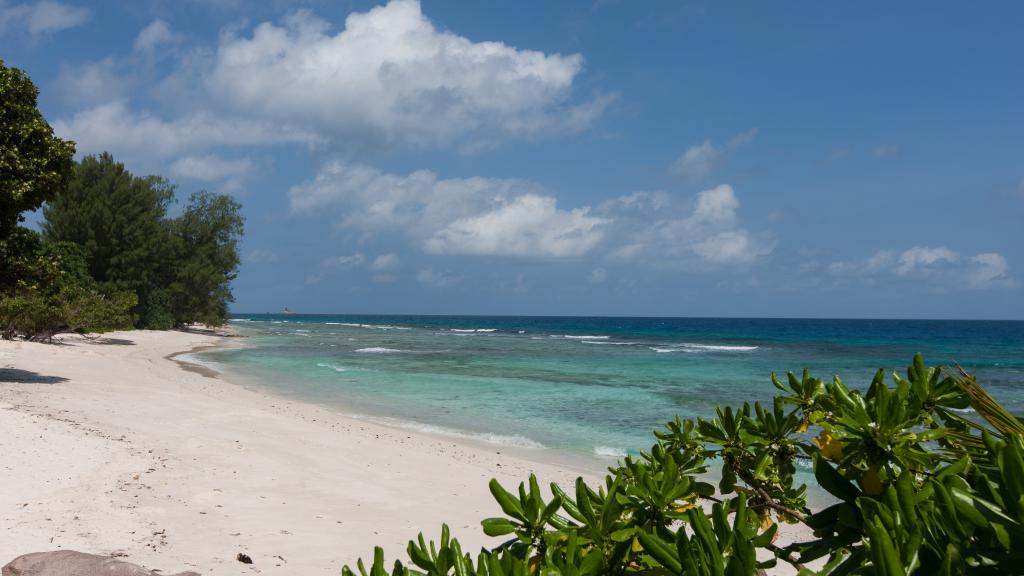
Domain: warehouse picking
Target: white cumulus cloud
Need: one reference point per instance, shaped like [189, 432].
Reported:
[141, 137]
[475, 216]
[659, 229]
[529, 225]
[987, 269]
[388, 77]
[920, 257]
[391, 74]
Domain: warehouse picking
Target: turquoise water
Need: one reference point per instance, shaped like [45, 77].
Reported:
[593, 386]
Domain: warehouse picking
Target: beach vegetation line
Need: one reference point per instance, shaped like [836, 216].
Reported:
[925, 474]
[108, 255]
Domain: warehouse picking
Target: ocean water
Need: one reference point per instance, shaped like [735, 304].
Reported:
[595, 387]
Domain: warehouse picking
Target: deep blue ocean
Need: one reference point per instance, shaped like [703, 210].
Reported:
[592, 386]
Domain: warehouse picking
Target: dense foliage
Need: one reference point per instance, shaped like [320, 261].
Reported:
[919, 487]
[117, 219]
[48, 290]
[205, 239]
[180, 268]
[34, 164]
[109, 256]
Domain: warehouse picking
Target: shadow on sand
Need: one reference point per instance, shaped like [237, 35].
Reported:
[19, 376]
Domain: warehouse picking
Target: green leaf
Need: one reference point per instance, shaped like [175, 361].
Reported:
[832, 481]
[497, 526]
[660, 551]
[509, 504]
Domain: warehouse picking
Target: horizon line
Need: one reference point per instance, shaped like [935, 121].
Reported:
[622, 316]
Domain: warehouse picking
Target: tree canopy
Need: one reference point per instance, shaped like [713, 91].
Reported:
[118, 221]
[179, 268]
[206, 245]
[35, 165]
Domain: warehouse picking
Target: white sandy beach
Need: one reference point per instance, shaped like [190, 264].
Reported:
[111, 448]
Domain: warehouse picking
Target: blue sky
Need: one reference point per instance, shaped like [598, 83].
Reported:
[583, 158]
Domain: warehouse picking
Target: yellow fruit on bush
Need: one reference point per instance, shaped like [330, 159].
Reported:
[870, 481]
[829, 446]
[803, 426]
[766, 523]
[637, 547]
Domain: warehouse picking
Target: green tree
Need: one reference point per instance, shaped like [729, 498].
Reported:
[206, 242]
[34, 164]
[119, 220]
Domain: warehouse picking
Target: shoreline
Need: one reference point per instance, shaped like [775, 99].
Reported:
[584, 464]
[117, 448]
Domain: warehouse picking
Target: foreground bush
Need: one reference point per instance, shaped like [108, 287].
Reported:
[919, 488]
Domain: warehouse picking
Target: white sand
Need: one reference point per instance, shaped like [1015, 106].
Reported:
[112, 448]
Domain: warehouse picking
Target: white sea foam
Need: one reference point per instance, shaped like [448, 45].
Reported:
[302, 330]
[378, 350]
[720, 348]
[608, 343]
[193, 359]
[241, 320]
[697, 348]
[462, 330]
[512, 440]
[609, 451]
[334, 367]
[572, 337]
[661, 349]
[370, 326]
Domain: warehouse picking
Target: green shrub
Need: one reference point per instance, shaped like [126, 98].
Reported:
[52, 292]
[919, 488]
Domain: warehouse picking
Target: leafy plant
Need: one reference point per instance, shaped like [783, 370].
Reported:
[919, 488]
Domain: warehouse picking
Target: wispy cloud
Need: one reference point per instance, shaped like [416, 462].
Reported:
[156, 34]
[434, 279]
[343, 262]
[885, 151]
[940, 266]
[700, 160]
[42, 17]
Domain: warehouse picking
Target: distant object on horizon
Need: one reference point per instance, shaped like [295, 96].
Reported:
[286, 311]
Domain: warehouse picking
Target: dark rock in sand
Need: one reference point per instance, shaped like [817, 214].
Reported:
[70, 563]
[244, 558]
